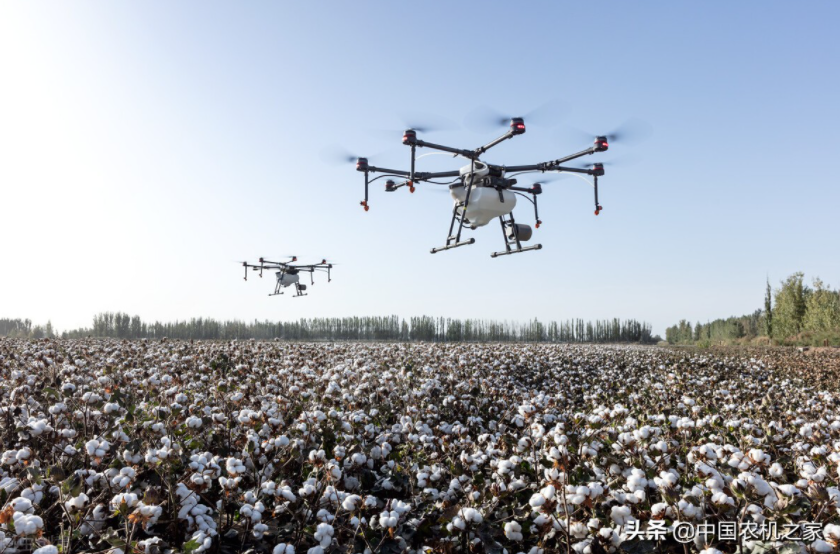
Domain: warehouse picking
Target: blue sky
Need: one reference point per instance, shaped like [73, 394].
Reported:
[145, 147]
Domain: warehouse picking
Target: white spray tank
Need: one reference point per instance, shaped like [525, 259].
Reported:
[287, 279]
[486, 203]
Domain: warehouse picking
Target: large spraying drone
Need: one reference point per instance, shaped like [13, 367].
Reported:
[288, 274]
[482, 191]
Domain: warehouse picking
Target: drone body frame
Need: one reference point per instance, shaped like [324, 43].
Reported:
[475, 183]
[288, 274]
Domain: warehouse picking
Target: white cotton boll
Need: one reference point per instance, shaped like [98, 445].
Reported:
[505, 467]
[832, 532]
[324, 534]
[548, 491]
[636, 480]
[194, 422]
[22, 505]
[536, 500]
[77, 503]
[27, 524]
[334, 470]
[352, 502]
[457, 523]
[776, 470]
[234, 466]
[687, 509]
[317, 456]
[283, 548]
[513, 531]
[721, 499]
[761, 486]
[471, 515]
[658, 509]
[620, 514]
[129, 499]
[789, 490]
[34, 493]
[259, 530]
[49, 549]
[711, 551]
[370, 501]
[388, 519]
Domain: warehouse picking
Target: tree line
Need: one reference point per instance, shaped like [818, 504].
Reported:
[386, 328]
[794, 313]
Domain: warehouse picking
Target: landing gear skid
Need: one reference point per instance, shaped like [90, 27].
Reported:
[450, 246]
[512, 239]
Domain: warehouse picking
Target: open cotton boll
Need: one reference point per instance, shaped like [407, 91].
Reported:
[283, 548]
[324, 534]
[513, 531]
[27, 524]
[389, 519]
[129, 499]
[22, 505]
[77, 503]
[351, 502]
[49, 549]
[620, 514]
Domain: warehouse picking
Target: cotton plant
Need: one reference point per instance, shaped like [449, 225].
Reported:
[370, 439]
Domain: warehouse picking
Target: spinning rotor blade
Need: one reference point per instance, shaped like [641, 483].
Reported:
[553, 178]
[621, 161]
[336, 155]
[486, 119]
[426, 123]
[630, 132]
[420, 123]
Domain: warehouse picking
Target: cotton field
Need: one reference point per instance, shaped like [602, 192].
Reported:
[166, 446]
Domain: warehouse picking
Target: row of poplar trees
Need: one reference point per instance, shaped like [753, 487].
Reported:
[793, 313]
[388, 328]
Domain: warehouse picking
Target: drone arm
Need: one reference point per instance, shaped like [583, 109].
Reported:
[555, 165]
[481, 150]
[397, 172]
[425, 176]
[469, 154]
[588, 151]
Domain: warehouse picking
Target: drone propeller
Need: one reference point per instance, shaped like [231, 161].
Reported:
[419, 123]
[426, 123]
[486, 119]
[632, 131]
[336, 155]
[553, 178]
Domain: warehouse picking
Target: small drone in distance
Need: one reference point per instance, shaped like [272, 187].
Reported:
[288, 274]
[482, 191]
